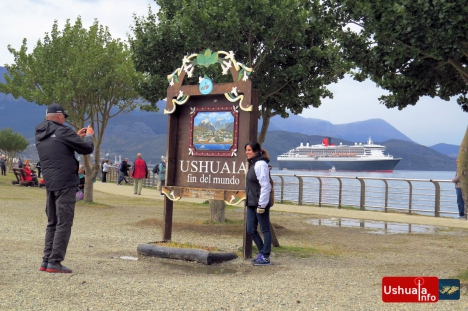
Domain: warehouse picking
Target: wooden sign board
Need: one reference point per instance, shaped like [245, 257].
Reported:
[209, 125]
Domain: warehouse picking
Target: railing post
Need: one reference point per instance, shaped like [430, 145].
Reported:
[320, 192]
[386, 196]
[437, 198]
[282, 189]
[301, 185]
[340, 194]
[410, 207]
[362, 204]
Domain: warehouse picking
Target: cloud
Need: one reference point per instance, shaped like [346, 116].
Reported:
[32, 19]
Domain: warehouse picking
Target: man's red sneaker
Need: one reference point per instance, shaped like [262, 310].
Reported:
[43, 266]
[57, 268]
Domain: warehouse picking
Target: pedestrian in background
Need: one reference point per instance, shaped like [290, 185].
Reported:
[3, 165]
[123, 171]
[460, 202]
[257, 193]
[56, 145]
[20, 163]
[39, 169]
[105, 169]
[139, 173]
[162, 174]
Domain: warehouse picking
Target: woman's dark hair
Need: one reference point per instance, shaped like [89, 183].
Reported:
[257, 149]
[254, 145]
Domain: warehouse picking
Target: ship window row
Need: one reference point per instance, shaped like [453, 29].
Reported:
[334, 153]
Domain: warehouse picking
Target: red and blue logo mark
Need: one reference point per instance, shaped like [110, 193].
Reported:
[420, 289]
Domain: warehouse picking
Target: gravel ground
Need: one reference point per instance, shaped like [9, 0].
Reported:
[344, 272]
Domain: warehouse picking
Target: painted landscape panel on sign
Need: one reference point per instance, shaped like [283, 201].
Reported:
[213, 130]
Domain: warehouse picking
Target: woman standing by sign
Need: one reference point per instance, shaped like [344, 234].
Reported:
[257, 190]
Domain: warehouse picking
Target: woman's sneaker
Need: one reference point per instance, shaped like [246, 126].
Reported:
[262, 261]
[257, 258]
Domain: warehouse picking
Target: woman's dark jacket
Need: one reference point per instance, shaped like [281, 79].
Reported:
[252, 184]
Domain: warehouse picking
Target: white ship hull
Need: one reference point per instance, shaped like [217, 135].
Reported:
[368, 157]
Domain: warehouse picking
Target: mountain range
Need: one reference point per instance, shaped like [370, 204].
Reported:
[138, 131]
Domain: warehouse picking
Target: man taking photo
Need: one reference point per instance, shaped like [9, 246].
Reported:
[56, 145]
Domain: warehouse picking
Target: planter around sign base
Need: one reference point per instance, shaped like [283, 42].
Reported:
[190, 254]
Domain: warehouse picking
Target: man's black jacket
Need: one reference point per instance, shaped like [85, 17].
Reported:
[124, 166]
[56, 145]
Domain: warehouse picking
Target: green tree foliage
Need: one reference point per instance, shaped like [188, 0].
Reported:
[411, 48]
[10, 144]
[287, 43]
[86, 71]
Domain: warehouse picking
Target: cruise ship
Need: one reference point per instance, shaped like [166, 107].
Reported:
[327, 156]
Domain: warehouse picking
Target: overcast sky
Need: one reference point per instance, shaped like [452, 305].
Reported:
[430, 122]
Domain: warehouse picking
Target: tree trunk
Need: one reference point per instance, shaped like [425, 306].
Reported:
[462, 168]
[10, 156]
[263, 131]
[91, 170]
[218, 211]
[88, 190]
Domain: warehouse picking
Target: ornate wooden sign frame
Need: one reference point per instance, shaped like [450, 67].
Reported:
[209, 125]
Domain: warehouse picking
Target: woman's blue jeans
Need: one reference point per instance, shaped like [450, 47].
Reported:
[253, 220]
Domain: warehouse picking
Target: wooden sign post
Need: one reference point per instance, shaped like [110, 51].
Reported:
[209, 125]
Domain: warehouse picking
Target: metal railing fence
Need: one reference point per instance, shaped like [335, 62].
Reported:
[113, 176]
[422, 196]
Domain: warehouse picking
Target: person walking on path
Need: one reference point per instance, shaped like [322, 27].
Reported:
[20, 163]
[162, 174]
[56, 145]
[123, 171]
[3, 165]
[460, 202]
[39, 169]
[257, 193]
[139, 172]
[105, 169]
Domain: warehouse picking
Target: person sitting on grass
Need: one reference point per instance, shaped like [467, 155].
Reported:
[27, 175]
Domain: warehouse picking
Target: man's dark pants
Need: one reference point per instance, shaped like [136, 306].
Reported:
[60, 211]
[3, 167]
[122, 178]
